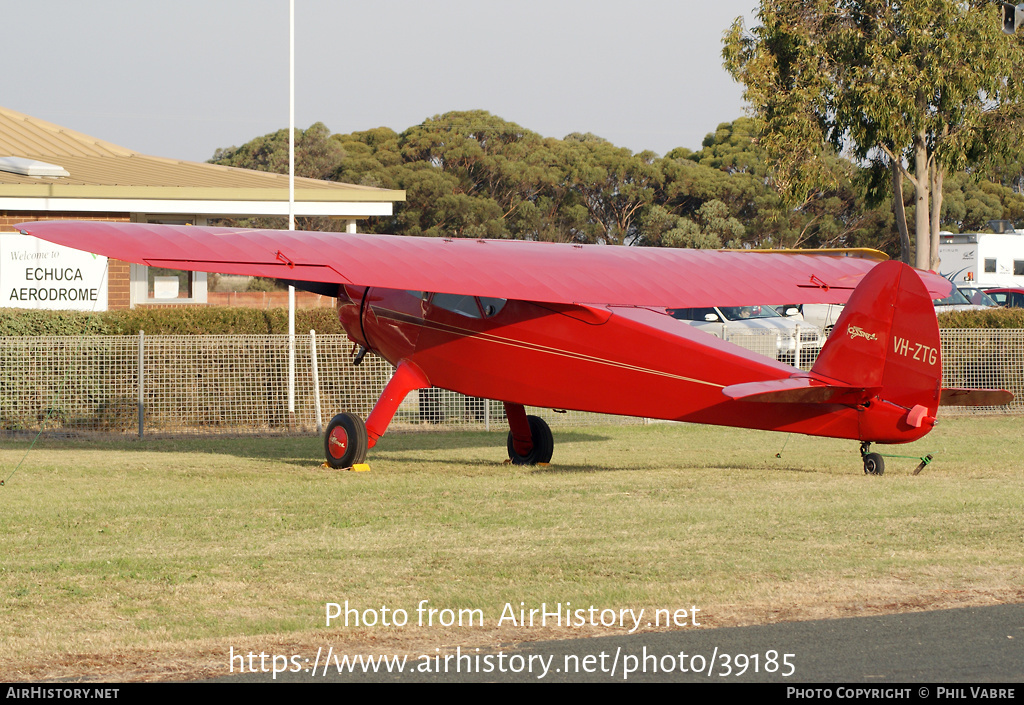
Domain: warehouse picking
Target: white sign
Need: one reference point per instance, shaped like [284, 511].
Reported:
[165, 287]
[38, 274]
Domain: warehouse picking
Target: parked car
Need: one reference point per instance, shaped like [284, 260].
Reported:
[790, 311]
[978, 296]
[957, 301]
[823, 316]
[964, 298]
[759, 328]
[1010, 296]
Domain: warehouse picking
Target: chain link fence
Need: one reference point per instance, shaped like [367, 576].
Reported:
[233, 384]
[975, 358]
[798, 347]
[981, 358]
[239, 384]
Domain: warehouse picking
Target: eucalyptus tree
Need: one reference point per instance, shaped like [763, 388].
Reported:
[924, 87]
[732, 170]
[612, 183]
[316, 155]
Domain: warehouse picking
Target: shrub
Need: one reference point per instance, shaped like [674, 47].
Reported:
[993, 318]
[187, 320]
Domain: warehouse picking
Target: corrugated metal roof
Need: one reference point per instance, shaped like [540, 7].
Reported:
[99, 169]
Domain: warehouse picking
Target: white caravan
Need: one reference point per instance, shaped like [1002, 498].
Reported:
[982, 259]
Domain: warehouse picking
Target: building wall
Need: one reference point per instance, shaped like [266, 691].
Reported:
[8, 219]
[119, 290]
[269, 299]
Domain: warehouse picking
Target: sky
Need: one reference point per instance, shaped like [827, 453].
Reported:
[181, 79]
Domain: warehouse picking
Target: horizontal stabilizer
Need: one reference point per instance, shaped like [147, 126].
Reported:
[796, 390]
[952, 396]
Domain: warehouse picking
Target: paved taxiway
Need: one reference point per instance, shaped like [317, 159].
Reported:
[970, 645]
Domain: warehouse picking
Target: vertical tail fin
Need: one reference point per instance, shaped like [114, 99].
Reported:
[883, 359]
[886, 342]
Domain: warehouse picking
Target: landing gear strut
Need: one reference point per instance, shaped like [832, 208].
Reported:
[873, 462]
[347, 438]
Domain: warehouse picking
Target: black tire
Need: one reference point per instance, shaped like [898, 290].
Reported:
[543, 444]
[874, 464]
[345, 441]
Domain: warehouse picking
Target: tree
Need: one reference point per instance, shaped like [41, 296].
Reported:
[500, 167]
[614, 186]
[732, 168]
[710, 228]
[922, 87]
[316, 155]
[466, 174]
[969, 204]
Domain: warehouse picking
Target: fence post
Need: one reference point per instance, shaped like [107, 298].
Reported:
[142, 376]
[799, 347]
[316, 382]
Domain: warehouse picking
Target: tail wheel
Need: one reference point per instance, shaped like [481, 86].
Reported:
[345, 442]
[543, 444]
[874, 464]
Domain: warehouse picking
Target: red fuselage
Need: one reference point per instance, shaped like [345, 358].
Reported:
[628, 361]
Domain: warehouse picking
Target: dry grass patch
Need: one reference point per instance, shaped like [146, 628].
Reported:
[135, 554]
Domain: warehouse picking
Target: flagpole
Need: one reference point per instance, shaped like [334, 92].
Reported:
[291, 205]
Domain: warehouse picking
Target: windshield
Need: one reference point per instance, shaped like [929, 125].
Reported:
[955, 298]
[745, 313]
[977, 296]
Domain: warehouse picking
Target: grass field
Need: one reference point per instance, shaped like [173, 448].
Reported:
[151, 559]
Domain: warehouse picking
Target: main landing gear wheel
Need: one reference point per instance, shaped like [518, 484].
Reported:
[874, 464]
[543, 444]
[345, 442]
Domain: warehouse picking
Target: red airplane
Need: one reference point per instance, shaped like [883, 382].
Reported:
[585, 327]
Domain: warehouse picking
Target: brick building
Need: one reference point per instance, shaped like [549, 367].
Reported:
[48, 172]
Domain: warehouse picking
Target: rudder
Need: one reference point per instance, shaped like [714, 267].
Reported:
[886, 342]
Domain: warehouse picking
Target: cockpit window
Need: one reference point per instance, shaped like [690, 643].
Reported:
[469, 306]
[459, 303]
[491, 307]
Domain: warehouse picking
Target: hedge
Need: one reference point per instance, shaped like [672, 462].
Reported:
[192, 320]
[225, 320]
[993, 318]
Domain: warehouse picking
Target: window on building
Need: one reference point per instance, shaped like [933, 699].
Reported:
[168, 284]
[157, 285]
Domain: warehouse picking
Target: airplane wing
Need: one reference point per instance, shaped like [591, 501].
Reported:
[508, 269]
